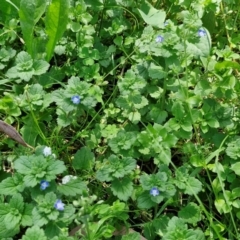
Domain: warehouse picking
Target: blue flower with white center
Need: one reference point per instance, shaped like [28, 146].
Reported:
[159, 39]
[75, 99]
[59, 205]
[44, 184]
[202, 33]
[47, 151]
[154, 192]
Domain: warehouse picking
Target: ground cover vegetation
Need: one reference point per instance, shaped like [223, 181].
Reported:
[129, 116]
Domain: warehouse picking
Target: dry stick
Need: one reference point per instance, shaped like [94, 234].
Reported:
[12, 133]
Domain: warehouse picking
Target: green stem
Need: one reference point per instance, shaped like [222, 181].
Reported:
[163, 94]
[163, 207]
[41, 134]
[225, 23]
[12, 4]
[222, 186]
[212, 225]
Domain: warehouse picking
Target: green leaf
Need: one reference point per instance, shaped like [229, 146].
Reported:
[132, 82]
[23, 164]
[134, 117]
[24, 70]
[122, 188]
[152, 16]
[25, 67]
[178, 110]
[125, 166]
[149, 231]
[186, 125]
[67, 216]
[38, 218]
[52, 230]
[173, 124]
[233, 150]
[156, 72]
[24, 61]
[10, 106]
[56, 22]
[159, 180]
[12, 221]
[4, 210]
[123, 141]
[63, 119]
[54, 167]
[177, 229]
[221, 205]
[190, 213]
[72, 188]
[132, 236]
[116, 167]
[29, 14]
[144, 201]
[157, 115]
[236, 192]
[13, 212]
[164, 156]
[201, 48]
[193, 186]
[213, 122]
[29, 131]
[34, 233]
[36, 168]
[9, 9]
[40, 67]
[48, 79]
[226, 65]
[45, 211]
[83, 159]
[5, 232]
[236, 167]
[12, 185]
[5, 55]
[104, 174]
[176, 225]
[195, 234]
[27, 215]
[17, 202]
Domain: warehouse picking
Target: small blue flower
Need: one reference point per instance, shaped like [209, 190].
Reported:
[159, 39]
[44, 184]
[202, 33]
[75, 99]
[59, 205]
[165, 23]
[154, 192]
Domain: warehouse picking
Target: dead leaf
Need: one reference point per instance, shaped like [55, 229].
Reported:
[12, 133]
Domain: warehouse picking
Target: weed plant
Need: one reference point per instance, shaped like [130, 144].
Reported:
[130, 114]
